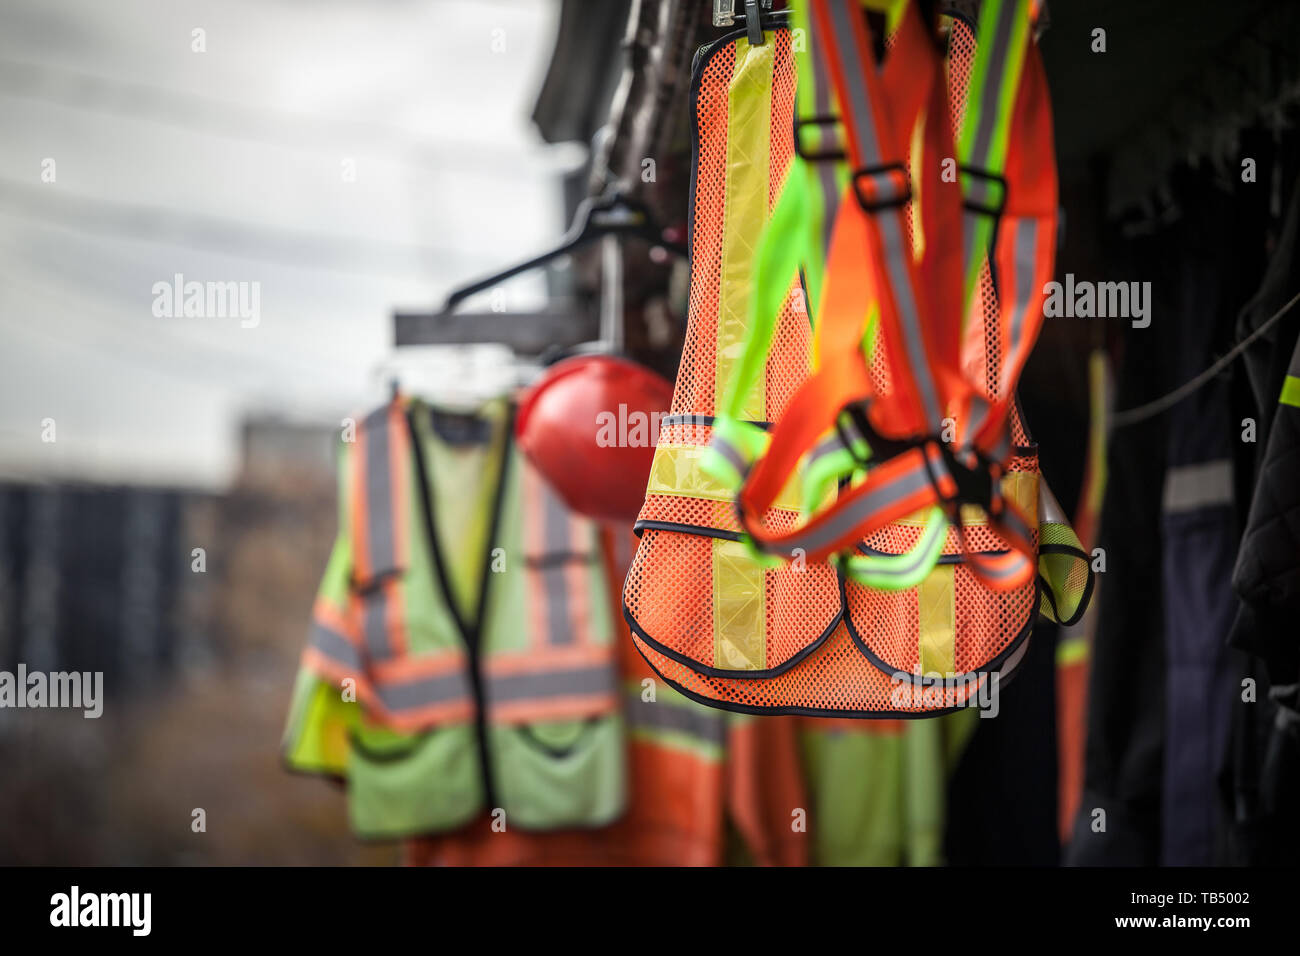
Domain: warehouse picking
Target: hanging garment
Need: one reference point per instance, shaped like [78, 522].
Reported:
[1164, 684]
[461, 657]
[694, 775]
[761, 635]
[693, 593]
[1201, 519]
[1118, 821]
[877, 788]
[1265, 786]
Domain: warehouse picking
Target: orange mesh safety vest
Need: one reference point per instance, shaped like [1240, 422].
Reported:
[800, 639]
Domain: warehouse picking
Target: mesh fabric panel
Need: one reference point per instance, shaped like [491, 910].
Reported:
[669, 592]
[836, 678]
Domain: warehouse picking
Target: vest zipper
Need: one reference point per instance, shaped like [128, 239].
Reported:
[471, 634]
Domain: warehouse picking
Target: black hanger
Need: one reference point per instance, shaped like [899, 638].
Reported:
[597, 216]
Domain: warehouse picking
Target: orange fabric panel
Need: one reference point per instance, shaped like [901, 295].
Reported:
[765, 788]
[1071, 737]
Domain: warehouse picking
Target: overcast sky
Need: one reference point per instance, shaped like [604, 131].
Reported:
[232, 165]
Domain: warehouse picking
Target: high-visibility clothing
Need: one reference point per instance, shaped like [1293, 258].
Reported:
[878, 789]
[946, 602]
[461, 658]
[693, 772]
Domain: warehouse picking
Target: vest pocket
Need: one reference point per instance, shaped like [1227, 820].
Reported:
[561, 773]
[402, 785]
[951, 624]
[696, 595]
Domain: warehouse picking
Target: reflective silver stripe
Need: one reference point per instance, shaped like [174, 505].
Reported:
[555, 533]
[827, 446]
[335, 646]
[859, 114]
[693, 720]
[1026, 245]
[994, 76]
[979, 407]
[857, 511]
[1002, 450]
[423, 691]
[997, 570]
[538, 685]
[379, 494]
[374, 623]
[1191, 487]
[1011, 520]
[1023, 284]
[896, 256]
[731, 453]
[858, 109]
[824, 105]
[979, 191]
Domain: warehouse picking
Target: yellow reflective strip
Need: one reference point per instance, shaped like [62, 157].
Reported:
[1291, 391]
[676, 470]
[1098, 404]
[749, 109]
[916, 156]
[739, 609]
[936, 611]
[1020, 486]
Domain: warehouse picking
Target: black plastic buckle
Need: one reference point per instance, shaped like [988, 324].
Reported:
[816, 155]
[900, 197]
[974, 483]
[882, 449]
[991, 209]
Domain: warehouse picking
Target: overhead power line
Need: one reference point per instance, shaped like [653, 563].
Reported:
[333, 136]
[374, 257]
[1131, 416]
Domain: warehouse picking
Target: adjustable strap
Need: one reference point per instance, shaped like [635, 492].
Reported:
[880, 109]
[870, 230]
[920, 305]
[1010, 199]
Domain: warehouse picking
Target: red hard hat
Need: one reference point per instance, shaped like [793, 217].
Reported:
[589, 426]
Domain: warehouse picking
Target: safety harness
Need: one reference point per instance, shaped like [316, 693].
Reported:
[900, 466]
[931, 439]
